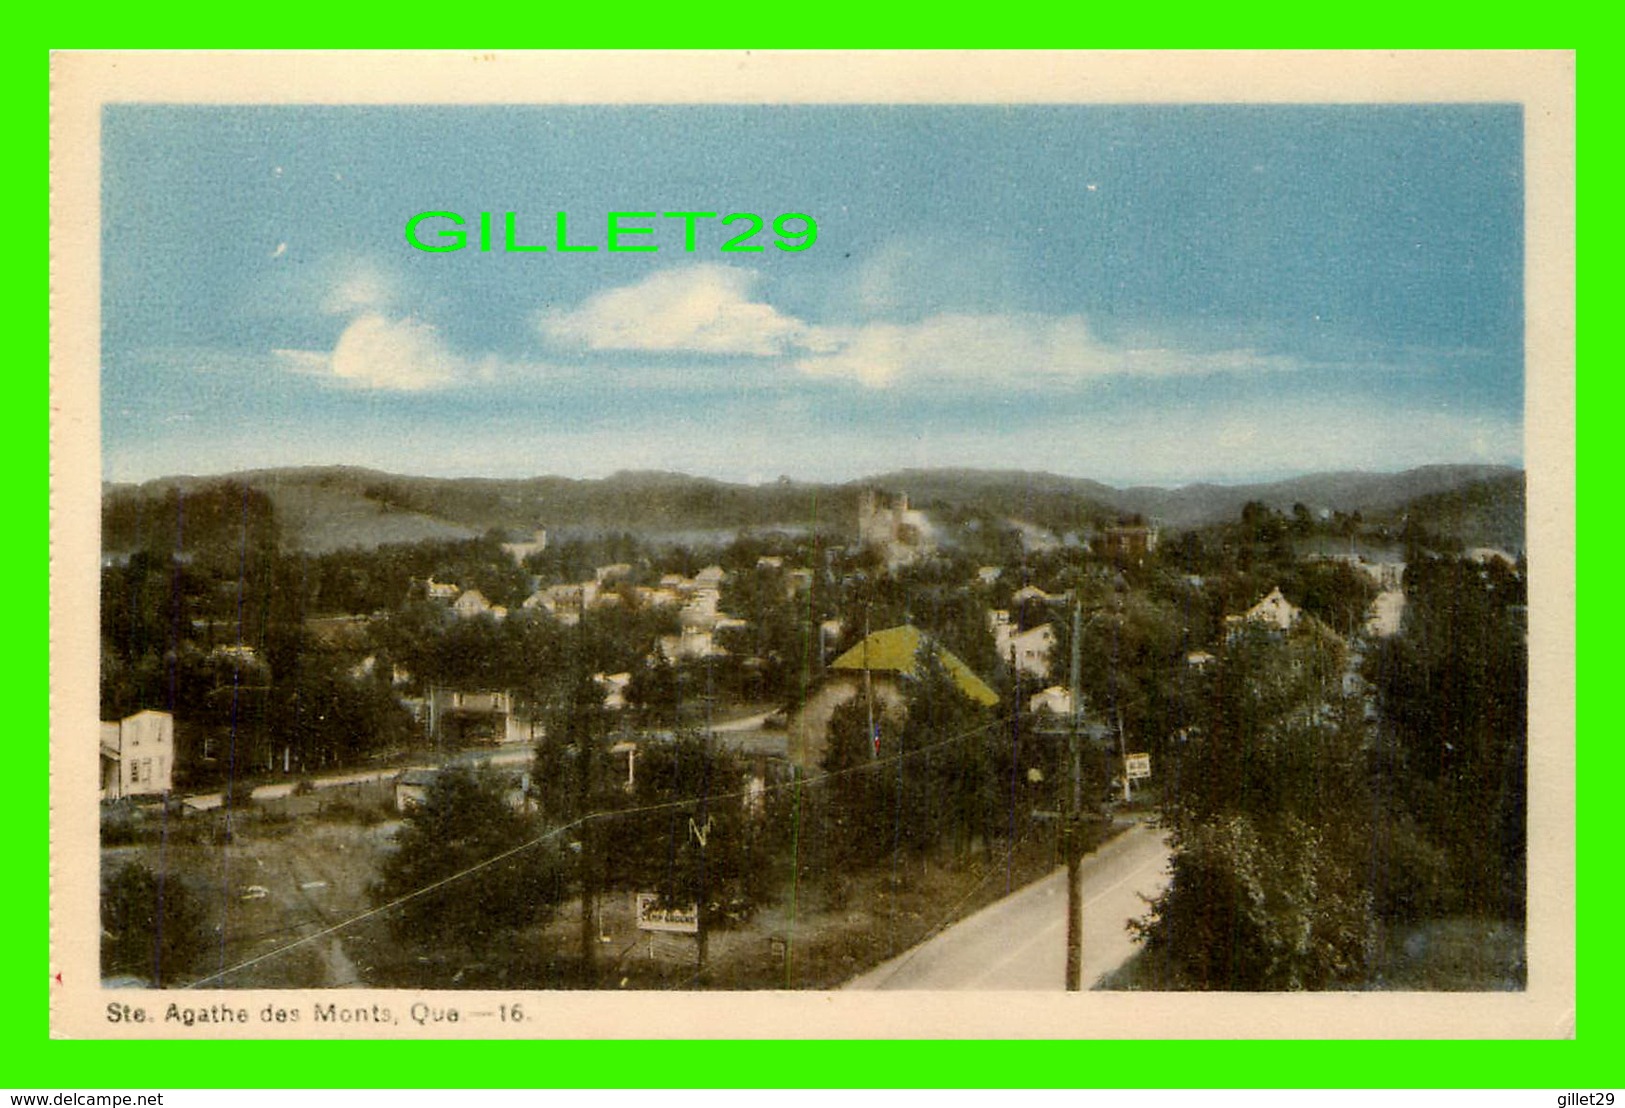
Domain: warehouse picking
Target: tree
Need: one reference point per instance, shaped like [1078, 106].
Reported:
[1334, 592]
[1303, 522]
[473, 867]
[861, 793]
[1133, 651]
[1453, 685]
[1258, 903]
[1274, 823]
[325, 718]
[574, 781]
[689, 837]
[654, 692]
[152, 925]
[947, 780]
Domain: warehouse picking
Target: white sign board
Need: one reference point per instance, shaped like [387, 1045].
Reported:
[652, 917]
[1138, 765]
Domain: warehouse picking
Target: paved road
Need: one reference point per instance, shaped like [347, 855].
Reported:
[1020, 942]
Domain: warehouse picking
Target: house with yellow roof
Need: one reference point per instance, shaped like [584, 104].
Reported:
[879, 668]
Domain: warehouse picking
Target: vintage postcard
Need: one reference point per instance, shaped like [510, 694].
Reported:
[862, 545]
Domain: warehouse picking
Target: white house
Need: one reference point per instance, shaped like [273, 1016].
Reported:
[565, 603]
[694, 642]
[137, 755]
[1056, 699]
[614, 686]
[661, 597]
[437, 590]
[473, 603]
[617, 571]
[1030, 648]
[1274, 611]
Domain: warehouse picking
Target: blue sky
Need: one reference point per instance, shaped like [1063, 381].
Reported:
[1134, 294]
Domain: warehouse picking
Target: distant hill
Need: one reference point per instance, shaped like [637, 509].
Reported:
[1490, 512]
[326, 508]
[1034, 495]
[1367, 493]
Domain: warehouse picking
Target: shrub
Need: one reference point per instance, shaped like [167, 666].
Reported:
[152, 925]
[1260, 906]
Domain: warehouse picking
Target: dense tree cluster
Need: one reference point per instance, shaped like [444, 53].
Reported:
[469, 864]
[1306, 820]
[1453, 689]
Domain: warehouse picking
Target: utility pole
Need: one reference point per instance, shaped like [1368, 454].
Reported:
[869, 686]
[702, 935]
[1122, 749]
[589, 856]
[1071, 836]
[584, 718]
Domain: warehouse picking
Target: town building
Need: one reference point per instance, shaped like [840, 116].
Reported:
[1032, 594]
[137, 755]
[440, 590]
[1056, 699]
[1274, 612]
[412, 787]
[463, 717]
[878, 668]
[695, 642]
[1127, 542]
[473, 603]
[1028, 650]
[901, 535]
[614, 686]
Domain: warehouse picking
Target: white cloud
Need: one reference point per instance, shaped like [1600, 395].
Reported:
[378, 352]
[1009, 350]
[701, 310]
[709, 310]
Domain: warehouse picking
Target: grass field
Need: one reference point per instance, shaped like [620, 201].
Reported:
[276, 876]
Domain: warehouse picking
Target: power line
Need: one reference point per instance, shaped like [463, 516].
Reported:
[606, 814]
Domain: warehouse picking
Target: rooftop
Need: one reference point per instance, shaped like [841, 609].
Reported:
[897, 650]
